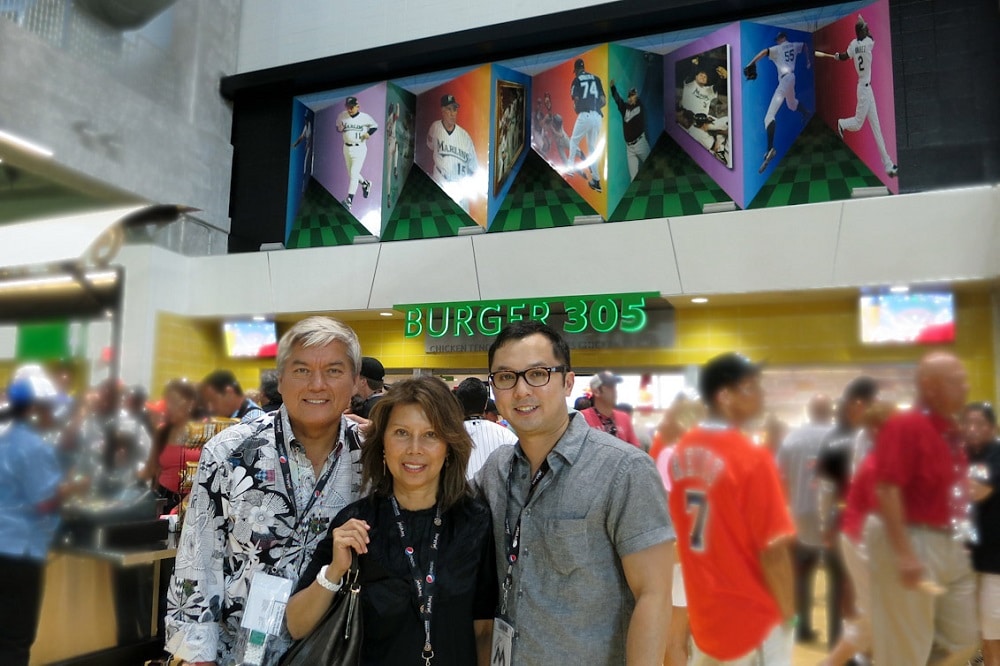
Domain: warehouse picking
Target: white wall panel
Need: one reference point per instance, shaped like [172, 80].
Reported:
[425, 271]
[920, 237]
[592, 259]
[334, 278]
[236, 284]
[757, 250]
[281, 33]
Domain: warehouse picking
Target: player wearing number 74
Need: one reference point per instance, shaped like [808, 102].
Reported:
[733, 528]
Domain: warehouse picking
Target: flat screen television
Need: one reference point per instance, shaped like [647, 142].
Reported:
[250, 339]
[908, 318]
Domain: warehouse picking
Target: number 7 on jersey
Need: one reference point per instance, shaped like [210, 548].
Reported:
[696, 502]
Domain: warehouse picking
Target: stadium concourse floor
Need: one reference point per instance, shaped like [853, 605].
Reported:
[810, 654]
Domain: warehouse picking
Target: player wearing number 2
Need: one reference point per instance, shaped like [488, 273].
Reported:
[860, 51]
[733, 529]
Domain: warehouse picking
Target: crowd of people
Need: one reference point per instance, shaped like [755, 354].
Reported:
[512, 529]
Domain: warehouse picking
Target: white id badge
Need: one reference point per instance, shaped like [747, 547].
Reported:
[265, 607]
[503, 643]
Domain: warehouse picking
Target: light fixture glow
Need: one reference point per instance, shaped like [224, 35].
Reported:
[699, 299]
[385, 314]
[899, 289]
[259, 318]
[25, 144]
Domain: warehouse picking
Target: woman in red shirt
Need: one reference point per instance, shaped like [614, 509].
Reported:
[169, 454]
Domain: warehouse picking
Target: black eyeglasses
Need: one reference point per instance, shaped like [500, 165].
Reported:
[504, 380]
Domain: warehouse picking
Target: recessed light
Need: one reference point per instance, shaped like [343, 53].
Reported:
[385, 314]
[258, 318]
[700, 299]
[899, 289]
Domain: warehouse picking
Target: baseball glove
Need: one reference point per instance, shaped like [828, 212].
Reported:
[750, 71]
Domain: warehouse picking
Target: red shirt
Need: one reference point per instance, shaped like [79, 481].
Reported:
[727, 506]
[861, 500]
[173, 459]
[622, 423]
[914, 452]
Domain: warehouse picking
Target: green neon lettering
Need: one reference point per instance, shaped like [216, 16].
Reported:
[514, 312]
[489, 324]
[463, 315]
[604, 315]
[576, 316]
[413, 326]
[633, 317]
[540, 311]
[443, 321]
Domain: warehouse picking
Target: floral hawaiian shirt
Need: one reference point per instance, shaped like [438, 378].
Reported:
[240, 520]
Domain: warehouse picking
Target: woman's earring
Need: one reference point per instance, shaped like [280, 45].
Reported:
[383, 465]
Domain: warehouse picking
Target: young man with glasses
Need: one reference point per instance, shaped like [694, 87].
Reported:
[585, 545]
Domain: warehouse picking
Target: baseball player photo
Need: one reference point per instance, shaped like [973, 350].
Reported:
[587, 93]
[860, 51]
[306, 137]
[454, 154]
[703, 101]
[357, 127]
[397, 137]
[633, 128]
[509, 131]
[784, 54]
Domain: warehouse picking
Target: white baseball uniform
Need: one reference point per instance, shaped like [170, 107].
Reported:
[783, 56]
[454, 161]
[356, 130]
[588, 90]
[861, 53]
[698, 98]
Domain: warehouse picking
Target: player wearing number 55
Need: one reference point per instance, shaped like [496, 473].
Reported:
[584, 543]
[733, 529]
[428, 575]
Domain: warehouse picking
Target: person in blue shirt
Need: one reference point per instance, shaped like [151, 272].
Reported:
[31, 489]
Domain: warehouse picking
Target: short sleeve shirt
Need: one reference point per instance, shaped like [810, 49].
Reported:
[569, 601]
[29, 475]
[728, 506]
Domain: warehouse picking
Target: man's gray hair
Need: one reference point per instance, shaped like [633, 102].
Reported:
[319, 332]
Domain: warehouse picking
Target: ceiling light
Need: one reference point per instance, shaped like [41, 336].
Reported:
[899, 289]
[700, 299]
[259, 318]
[385, 314]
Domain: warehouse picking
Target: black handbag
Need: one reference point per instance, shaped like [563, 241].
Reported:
[336, 640]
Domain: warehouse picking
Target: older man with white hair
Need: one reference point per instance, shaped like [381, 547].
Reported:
[264, 496]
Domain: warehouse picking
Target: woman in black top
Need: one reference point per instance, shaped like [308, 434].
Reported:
[413, 461]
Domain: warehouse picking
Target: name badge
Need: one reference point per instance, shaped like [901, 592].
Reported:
[503, 643]
[265, 606]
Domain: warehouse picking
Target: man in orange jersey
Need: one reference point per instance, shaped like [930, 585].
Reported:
[734, 531]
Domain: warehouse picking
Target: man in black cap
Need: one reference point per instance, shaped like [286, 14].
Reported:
[602, 414]
[733, 528]
[371, 384]
[633, 127]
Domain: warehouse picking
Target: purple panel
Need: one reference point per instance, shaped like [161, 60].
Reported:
[729, 179]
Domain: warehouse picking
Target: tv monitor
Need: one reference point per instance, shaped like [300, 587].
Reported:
[908, 318]
[251, 339]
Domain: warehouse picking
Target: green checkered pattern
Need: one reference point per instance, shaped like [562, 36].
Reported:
[322, 221]
[818, 167]
[539, 199]
[424, 211]
[669, 184]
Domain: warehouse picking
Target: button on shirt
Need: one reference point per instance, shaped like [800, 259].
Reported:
[602, 500]
[240, 521]
[29, 476]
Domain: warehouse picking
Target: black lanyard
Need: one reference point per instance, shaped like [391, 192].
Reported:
[424, 584]
[286, 473]
[514, 536]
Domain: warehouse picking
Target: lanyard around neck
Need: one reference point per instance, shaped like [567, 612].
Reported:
[514, 536]
[425, 584]
[286, 473]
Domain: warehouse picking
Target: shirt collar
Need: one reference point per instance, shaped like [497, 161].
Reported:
[291, 442]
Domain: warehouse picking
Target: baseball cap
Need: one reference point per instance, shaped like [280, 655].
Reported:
[371, 368]
[604, 378]
[351, 101]
[724, 371]
[578, 64]
[448, 100]
[632, 91]
[31, 385]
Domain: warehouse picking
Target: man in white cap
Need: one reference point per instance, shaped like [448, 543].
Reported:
[603, 415]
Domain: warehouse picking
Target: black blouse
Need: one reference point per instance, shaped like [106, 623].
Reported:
[466, 581]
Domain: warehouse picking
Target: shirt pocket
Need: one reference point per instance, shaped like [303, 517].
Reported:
[566, 544]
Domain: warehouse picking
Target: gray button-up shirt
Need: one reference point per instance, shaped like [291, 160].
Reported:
[603, 499]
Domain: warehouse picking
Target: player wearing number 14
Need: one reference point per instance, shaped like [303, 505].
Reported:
[733, 529]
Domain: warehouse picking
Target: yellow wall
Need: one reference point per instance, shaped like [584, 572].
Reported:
[812, 333]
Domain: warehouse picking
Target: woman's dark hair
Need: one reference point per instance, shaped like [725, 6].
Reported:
[984, 408]
[442, 409]
[184, 389]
